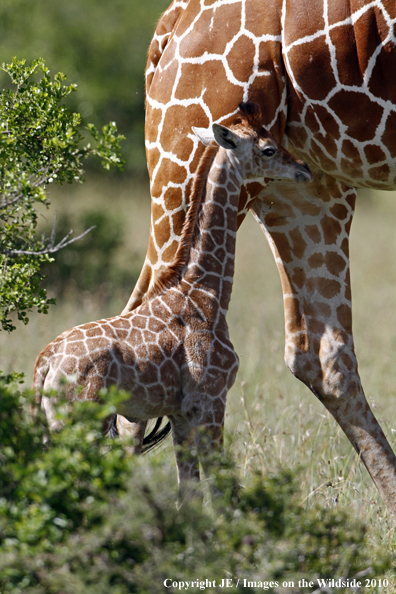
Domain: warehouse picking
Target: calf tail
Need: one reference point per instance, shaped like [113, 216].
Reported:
[113, 431]
[155, 437]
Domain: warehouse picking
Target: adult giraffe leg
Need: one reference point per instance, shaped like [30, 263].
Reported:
[308, 231]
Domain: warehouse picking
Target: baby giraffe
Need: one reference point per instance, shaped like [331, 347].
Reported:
[173, 354]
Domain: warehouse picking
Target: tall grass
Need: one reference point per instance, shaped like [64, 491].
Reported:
[272, 420]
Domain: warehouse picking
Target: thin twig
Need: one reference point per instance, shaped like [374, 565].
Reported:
[50, 249]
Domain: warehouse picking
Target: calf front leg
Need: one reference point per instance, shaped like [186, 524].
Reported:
[183, 434]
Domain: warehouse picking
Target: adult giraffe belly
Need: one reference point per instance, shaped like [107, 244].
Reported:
[341, 63]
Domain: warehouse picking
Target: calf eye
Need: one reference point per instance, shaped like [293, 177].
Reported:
[268, 152]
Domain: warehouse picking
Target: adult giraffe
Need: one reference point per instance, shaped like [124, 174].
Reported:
[324, 75]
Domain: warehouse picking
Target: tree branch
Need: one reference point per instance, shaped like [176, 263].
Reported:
[50, 248]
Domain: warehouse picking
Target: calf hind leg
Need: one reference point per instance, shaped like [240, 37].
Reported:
[196, 443]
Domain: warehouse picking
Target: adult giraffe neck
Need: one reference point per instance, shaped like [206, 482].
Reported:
[172, 274]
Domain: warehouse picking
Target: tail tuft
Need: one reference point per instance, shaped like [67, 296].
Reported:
[113, 431]
[155, 437]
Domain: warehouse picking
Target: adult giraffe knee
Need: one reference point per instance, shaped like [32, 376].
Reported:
[331, 374]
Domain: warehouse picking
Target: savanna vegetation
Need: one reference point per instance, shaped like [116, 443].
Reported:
[77, 514]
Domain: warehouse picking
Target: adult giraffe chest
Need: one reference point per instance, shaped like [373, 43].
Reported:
[340, 60]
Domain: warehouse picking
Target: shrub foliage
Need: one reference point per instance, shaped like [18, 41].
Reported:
[40, 143]
[79, 516]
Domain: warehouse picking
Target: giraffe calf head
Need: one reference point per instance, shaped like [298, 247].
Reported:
[254, 152]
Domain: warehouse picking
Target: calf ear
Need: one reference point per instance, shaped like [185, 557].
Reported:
[225, 137]
[205, 135]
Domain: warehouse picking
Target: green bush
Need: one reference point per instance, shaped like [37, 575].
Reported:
[78, 516]
[40, 144]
